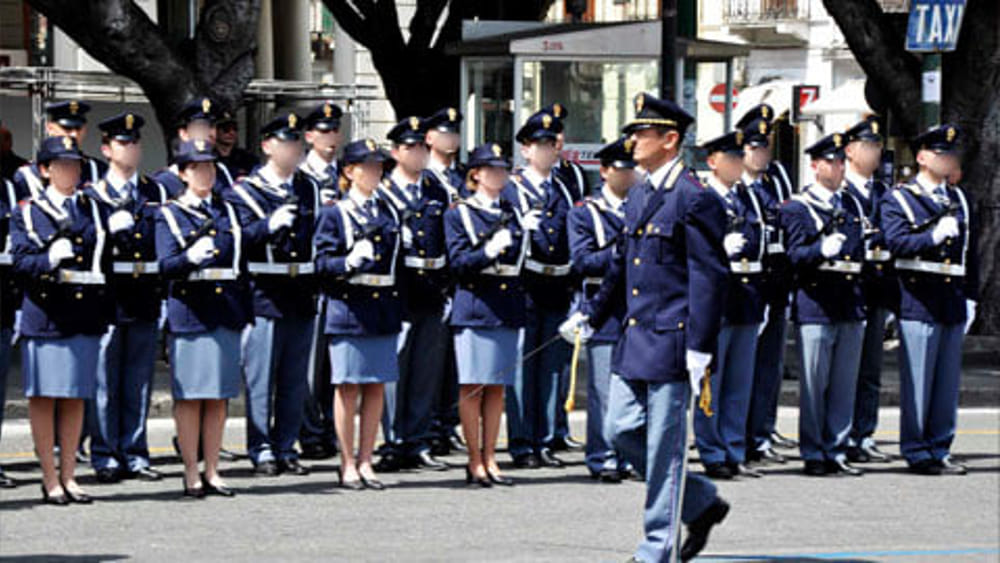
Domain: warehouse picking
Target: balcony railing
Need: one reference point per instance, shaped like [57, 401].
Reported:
[763, 11]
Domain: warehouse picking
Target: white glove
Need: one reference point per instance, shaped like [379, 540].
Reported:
[59, 251]
[327, 195]
[970, 314]
[576, 322]
[283, 217]
[697, 362]
[203, 249]
[734, 243]
[120, 220]
[407, 237]
[363, 250]
[532, 220]
[831, 244]
[946, 228]
[498, 242]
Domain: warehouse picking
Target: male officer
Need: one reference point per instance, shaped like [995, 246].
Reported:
[239, 161]
[594, 226]
[195, 122]
[544, 200]
[277, 207]
[424, 283]
[770, 182]
[64, 119]
[128, 202]
[9, 300]
[825, 238]
[721, 438]
[928, 227]
[318, 436]
[444, 128]
[672, 267]
[879, 285]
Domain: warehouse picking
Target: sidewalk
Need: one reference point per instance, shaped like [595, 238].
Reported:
[980, 386]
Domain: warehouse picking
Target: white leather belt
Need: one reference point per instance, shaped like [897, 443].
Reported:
[213, 274]
[135, 268]
[372, 280]
[503, 270]
[291, 269]
[79, 277]
[425, 263]
[878, 255]
[746, 267]
[546, 269]
[929, 267]
[593, 281]
[841, 266]
[6, 259]
[775, 248]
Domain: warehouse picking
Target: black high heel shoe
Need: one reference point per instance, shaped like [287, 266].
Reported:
[372, 483]
[221, 490]
[55, 500]
[470, 479]
[81, 498]
[193, 492]
[498, 479]
[353, 485]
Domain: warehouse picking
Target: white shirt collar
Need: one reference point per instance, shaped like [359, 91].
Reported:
[271, 177]
[191, 200]
[749, 178]
[118, 183]
[317, 164]
[58, 198]
[926, 184]
[859, 181]
[614, 201]
[823, 194]
[483, 199]
[657, 176]
[533, 177]
[401, 182]
[439, 166]
[358, 199]
[718, 186]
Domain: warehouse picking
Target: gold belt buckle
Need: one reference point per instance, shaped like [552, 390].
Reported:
[293, 270]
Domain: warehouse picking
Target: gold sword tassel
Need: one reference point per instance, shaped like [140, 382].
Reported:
[705, 401]
[573, 364]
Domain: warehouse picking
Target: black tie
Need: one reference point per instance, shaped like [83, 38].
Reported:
[414, 191]
[69, 208]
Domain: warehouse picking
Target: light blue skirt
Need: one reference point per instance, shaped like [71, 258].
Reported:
[363, 359]
[205, 365]
[63, 368]
[487, 356]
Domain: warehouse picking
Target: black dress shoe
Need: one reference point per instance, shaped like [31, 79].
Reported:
[424, 460]
[145, 474]
[738, 469]
[857, 455]
[566, 443]
[292, 466]
[498, 479]
[78, 498]
[718, 471]
[372, 483]
[875, 454]
[194, 492]
[266, 469]
[548, 459]
[56, 500]
[526, 461]
[782, 442]
[108, 475]
[483, 482]
[926, 467]
[607, 475]
[220, 490]
[769, 455]
[389, 463]
[950, 467]
[6, 482]
[698, 530]
[455, 442]
[814, 468]
[840, 466]
[316, 451]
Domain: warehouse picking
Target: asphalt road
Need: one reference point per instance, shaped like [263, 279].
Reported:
[550, 515]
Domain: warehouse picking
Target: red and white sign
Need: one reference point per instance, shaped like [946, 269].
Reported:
[717, 98]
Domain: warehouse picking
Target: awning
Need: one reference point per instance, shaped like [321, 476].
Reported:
[849, 97]
[777, 94]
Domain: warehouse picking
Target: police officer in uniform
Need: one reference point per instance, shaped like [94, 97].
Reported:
[929, 229]
[129, 203]
[769, 180]
[195, 122]
[544, 200]
[59, 251]
[199, 245]
[68, 119]
[236, 159]
[277, 206]
[672, 267]
[721, 438]
[9, 300]
[424, 282]
[357, 249]
[863, 157]
[594, 226]
[825, 238]
[317, 437]
[486, 248]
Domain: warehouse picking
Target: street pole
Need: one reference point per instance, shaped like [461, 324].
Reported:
[668, 50]
[931, 91]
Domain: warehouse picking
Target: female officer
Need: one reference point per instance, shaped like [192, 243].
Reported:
[357, 245]
[198, 243]
[486, 249]
[58, 247]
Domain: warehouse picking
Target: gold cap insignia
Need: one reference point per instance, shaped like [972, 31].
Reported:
[762, 127]
[763, 112]
[199, 145]
[452, 114]
[74, 107]
[639, 101]
[557, 110]
[68, 143]
[874, 127]
[951, 134]
[739, 138]
[414, 123]
[206, 105]
[497, 151]
[327, 110]
[628, 145]
[129, 121]
[292, 120]
[546, 121]
[370, 144]
[836, 140]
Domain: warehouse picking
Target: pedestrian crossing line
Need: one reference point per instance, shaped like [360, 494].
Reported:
[854, 554]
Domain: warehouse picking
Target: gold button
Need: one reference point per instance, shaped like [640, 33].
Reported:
[948, 242]
[551, 231]
[947, 280]
[548, 214]
[421, 252]
[632, 321]
[680, 324]
[192, 232]
[378, 257]
[374, 295]
[292, 234]
[212, 232]
[638, 232]
[79, 259]
[218, 290]
[419, 215]
[745, 280]
[345, 296]
[635, 291]
[216, 252]
[503, 287]
[878, 267]
[137, 255]
[878, 248]
[378, 238]
[849, 277]
[636, 261]
[294, 254]
[947, 261]
[552, 249]
[79, 240]
[470, 286]
[184, 292]
[79, 295]
[847, 258]
[744, 260]
[44, 295]
[138, 236]
[420, 233]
